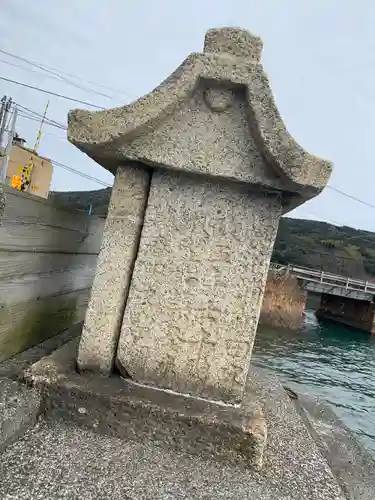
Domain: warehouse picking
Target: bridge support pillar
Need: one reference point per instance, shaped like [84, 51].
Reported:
[355, 313]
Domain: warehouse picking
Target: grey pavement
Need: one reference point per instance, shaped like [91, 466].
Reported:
[309, 455]
[59, 459]
[56, 461]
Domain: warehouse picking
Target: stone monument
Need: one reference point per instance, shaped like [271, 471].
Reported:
[204, 170]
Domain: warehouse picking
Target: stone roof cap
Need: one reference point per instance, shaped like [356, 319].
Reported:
[231, 56]
[234, 42]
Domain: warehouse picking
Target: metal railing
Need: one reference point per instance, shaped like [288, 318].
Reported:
[323, 277]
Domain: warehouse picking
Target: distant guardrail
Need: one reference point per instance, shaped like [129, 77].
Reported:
[323, 277]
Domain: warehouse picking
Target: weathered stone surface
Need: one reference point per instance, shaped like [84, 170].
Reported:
[194, 300]
[228, 66]
[224, 170]
[114, 269]
[132, 411]
[221, 146]
[234, 42]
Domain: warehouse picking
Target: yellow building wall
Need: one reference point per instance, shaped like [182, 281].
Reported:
[41, 176]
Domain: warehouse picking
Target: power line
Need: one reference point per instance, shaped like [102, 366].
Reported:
[342, 193]
[33, 115]
[66, 167]
[37, 117]
[351, 197]
[37, 120]
[82, 174]
[61, 96]
[77, 172]
[59, 72]
[53, 75]
[55, 136]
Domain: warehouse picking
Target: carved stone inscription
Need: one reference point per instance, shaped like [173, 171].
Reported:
[193, 305]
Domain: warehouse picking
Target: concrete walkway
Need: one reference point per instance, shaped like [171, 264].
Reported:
[56, 461]
[62, 455]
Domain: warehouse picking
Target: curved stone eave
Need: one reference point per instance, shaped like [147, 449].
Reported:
[97, 133]
[91, 131]
[303, 171]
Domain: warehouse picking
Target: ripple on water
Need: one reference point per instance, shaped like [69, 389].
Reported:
[330, 361]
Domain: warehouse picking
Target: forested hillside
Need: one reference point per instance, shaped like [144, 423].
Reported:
[81, 200]
[307, 243]
[319, 245]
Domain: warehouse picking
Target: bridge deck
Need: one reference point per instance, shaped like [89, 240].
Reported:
[335, 284]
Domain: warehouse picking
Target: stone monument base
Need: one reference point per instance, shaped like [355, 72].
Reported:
[164, 445]
[309, 455]
[126, 409]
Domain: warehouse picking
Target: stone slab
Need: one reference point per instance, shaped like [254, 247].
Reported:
[193, 305]
[350, 462]
[124, 409]
[114, 269]
[19, 409]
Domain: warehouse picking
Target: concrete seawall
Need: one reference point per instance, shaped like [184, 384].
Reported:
[358, 314]
[284, 301]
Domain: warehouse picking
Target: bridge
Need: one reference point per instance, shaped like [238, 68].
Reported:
[346, 300]
[334, 284]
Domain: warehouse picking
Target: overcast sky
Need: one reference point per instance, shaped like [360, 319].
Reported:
[319, 55]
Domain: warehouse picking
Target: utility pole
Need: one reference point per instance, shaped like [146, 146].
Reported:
[2, 109]
[28, 170]
[8, 149]
[6, 104]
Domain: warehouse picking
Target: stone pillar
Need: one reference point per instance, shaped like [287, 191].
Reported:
[193, 306]
[224, 170]
[114, 269]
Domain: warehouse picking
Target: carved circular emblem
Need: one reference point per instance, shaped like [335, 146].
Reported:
[218, 100]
